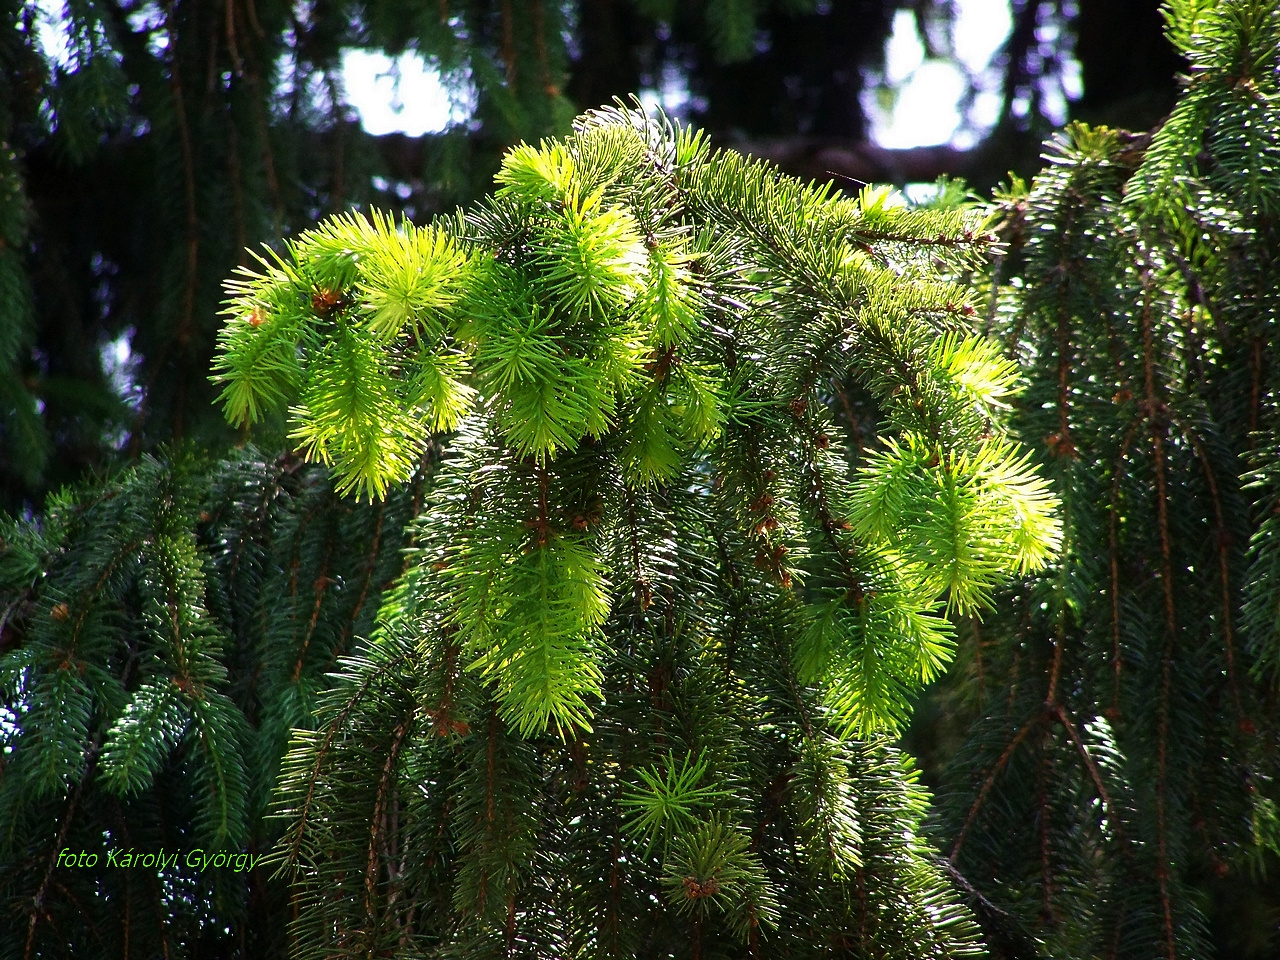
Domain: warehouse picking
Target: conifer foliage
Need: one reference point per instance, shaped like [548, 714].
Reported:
[591, 315]
[162, 631]
[647, 493]
[629, 690]
[607, 711]
[1116, 786]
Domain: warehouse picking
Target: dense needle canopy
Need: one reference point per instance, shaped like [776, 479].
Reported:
[636, 345]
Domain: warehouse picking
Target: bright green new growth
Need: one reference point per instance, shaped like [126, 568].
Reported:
[632, 314]
[670, 800]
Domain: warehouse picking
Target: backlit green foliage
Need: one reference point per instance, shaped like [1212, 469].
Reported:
[652, 567]
[589, 317]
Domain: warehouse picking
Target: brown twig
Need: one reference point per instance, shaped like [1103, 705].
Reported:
[1154, 411]
[377, 822]
[319, 585]
[988, 783]
[1094, 774]
[1113, 539]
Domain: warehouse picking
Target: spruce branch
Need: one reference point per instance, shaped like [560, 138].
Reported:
[626, 354]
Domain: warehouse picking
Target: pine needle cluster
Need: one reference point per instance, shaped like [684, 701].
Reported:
[654, 585]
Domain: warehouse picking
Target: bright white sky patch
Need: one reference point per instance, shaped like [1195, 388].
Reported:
[980, 27]
[672, 96]
[51, 29]
[926, 110]
[400, 94]
[916, 103]
[903, 51]
[406, 95]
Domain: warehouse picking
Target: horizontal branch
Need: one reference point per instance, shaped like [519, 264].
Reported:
[826, 158]
[806, 157]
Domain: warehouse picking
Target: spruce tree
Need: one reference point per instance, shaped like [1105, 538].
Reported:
[630, 690]
[630, 684]
[163, 630]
